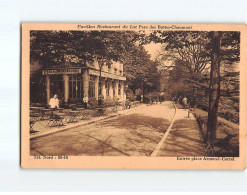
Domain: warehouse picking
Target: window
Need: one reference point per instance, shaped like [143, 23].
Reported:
[107, 88]
[114, 93]
[57, 85]
[91, 91]
[75, 86]
[109, 67]
[119, 88]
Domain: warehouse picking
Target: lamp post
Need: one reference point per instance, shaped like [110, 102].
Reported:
[101, 97]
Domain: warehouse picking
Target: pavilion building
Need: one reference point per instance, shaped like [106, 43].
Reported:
[73, 83]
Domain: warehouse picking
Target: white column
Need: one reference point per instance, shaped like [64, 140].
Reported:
[122, 90]
[48, 90]
[97, 88]
[103, 88]
[111, 89]
[116, 88]
[85, 83]
[66, 88]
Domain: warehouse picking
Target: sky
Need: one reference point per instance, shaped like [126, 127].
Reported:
[153, 49]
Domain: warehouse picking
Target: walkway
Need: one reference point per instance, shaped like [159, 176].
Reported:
[134, 132]
[41, 128]
[184, 138]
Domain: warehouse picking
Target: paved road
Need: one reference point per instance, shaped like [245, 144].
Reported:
[135, 134]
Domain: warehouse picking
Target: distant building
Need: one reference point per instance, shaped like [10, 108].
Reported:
[73, 83]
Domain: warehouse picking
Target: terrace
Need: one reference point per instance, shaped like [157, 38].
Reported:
[43, 118]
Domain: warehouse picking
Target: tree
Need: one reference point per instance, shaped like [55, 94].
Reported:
[193, 54]
[75, 48]
[141, 71]
[189, 47]
[214, 93]
[190, 57]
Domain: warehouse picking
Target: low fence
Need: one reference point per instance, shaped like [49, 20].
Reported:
[227, 135]
[202, 122]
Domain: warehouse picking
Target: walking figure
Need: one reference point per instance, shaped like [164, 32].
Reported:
[185, 103]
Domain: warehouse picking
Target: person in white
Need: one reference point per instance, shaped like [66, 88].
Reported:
[85, 99]
[85, 102]
[54, 102]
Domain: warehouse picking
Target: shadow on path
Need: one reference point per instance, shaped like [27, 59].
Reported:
[184, 138]
[129, 135]
[134, 121]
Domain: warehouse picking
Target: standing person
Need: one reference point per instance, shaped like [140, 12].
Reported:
[160, 99]
[85, 102]
[185, 102]
[54, 103]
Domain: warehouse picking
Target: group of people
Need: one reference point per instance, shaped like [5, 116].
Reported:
[54, 102]
[183, 101]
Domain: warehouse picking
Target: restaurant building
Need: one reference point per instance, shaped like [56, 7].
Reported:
[73, 83]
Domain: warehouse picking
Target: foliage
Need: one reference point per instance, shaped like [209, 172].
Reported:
[185, 61]
[141, 71]
[74, 48]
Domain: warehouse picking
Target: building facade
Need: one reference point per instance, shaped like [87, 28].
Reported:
[72, 84]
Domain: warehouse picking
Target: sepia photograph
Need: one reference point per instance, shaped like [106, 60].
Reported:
[131, 90]
[123, 96]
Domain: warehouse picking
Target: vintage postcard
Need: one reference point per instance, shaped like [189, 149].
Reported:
[133, 96]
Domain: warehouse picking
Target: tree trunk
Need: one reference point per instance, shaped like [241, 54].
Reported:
[214, 92]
